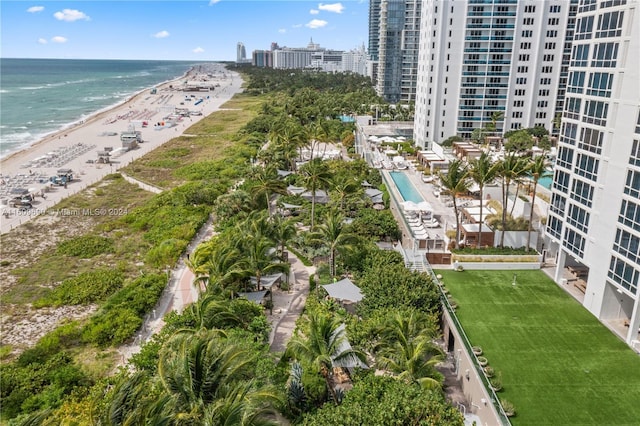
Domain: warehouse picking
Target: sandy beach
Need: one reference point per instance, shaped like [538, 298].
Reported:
[77, 148]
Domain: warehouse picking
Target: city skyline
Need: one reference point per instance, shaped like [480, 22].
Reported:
[175, 30]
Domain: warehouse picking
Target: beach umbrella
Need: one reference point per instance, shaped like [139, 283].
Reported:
[424, 206]
[410, 206]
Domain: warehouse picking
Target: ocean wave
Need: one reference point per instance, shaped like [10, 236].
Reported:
[59, 84]
[16, 137]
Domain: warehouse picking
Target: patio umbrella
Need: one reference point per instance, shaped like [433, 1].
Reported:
[410, 206]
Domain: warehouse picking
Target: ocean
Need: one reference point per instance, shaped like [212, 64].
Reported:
[41, 96]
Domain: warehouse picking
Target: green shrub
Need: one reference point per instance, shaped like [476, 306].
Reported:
[112, 327]
[140, 296]
[88, 287]
[86, 246]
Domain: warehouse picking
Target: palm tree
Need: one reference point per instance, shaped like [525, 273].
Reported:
[287, 137]
[195, 371]
[321, 346]
[482, 171]
[344, 185]
[264, 182]
[537, 169]
[456, 182]
[315, 175]
[211, 263]
[495, 117]
[405, 347]
[281, 232]
[511, 169]
[333, 234]
[259, 258]
[243, 405]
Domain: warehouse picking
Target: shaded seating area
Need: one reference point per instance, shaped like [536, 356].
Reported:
[346, 292]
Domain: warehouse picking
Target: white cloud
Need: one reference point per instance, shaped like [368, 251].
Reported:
[212, 2]
[71, 15]
[316, 23]
[161, 34]
[282, 30]
[296, 26]
[314, 11]
[333, 7]
[42, 40]
[35, 9]
[198, 50]
[58, 39]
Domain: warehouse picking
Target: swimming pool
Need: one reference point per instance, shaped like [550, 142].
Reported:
[546, 181]
[405, 187]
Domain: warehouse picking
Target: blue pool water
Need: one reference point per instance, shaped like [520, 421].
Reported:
[546, 181]
[406, 188]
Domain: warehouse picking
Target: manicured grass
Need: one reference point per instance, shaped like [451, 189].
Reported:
[559, 364]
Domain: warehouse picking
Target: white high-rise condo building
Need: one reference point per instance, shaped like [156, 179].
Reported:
[481, 62]
[241, 53]
[593, 225]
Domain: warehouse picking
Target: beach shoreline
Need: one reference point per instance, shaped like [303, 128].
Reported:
[81, 146]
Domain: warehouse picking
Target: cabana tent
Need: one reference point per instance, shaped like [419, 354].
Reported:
[344, 290]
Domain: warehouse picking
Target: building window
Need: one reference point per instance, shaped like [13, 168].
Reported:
[542, 104]
[565, 157]
[587, 167]
[624, 274]
[584, 26]
[516, 114]
[627, 245]
[548, 58]
[543, 92]
[595, 112]
[612, 3]
[554, 228]
[519, 92]
[638, 124]
[634, 158]
[561, 181]
[553, 21]
[547, 70]
[527, 33]
[591, 140]
[610, 24]
[582, 192]
[552, 33]
[605, 55]
[578, 217]
[525, 45]
[580, 55]
[600, 84]
[523, 58]
[521, 80]
[545, 81]
[529, 9]
[587, 5]
[558, 203]
[572, 107]
[523, 69]
[554, 9]
[574, 242]
[630, 214]
[569, 133]
[518, 104]
[576, 82]
[541, 114]
[550, 45]
[632, 185]
[527, 21]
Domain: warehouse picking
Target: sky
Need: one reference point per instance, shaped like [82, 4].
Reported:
[175, 29]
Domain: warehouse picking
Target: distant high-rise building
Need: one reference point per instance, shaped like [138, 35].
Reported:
[593, 226]
[355, 61]
[491, 62]
[394, 31]
[241, 53]
[262, 58]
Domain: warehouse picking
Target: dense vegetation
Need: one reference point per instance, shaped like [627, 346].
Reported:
[211, 364]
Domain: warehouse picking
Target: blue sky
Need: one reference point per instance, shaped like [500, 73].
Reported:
[173, 29]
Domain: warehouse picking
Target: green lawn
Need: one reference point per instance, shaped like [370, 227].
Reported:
[559, 365]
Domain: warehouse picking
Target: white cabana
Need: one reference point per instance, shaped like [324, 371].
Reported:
[344, 290]
[267, 281]
[254, 296]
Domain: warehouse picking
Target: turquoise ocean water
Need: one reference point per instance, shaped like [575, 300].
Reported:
[42, 96]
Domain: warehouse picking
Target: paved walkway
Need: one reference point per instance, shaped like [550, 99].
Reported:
[288, 305]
